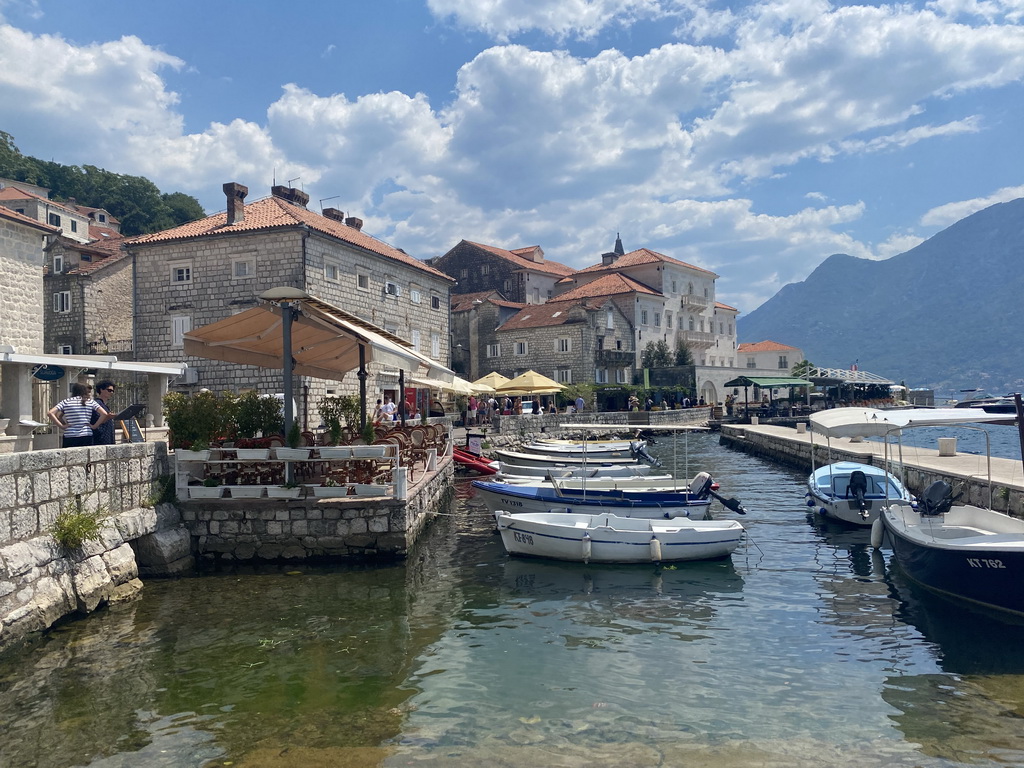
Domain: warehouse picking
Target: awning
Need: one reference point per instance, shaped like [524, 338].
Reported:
[768, 382]
[530, 383]
[325, 342]
[99, 362]
[458, 385]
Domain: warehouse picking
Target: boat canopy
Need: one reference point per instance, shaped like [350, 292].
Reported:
[872, 422]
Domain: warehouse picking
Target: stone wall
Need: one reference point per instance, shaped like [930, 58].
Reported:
[39, 581]
[21, 262]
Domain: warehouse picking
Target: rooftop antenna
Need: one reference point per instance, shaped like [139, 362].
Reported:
[292, 180]
[324, 199]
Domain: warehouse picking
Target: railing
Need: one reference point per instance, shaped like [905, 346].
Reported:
[697, 338]
[693, 302]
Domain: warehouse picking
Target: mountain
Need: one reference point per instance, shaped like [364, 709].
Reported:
[946, 315]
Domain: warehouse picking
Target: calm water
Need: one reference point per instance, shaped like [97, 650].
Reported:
[803, 650]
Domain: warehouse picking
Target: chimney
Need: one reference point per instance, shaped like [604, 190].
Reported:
[334, 213]
[292, 195]
[608, 258]
[356, 224]
[235, 193]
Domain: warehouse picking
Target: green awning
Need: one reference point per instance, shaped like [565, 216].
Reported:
[768, 382]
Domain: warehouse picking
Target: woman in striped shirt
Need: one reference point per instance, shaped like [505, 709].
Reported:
[74, 414]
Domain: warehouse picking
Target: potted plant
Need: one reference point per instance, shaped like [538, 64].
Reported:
[210, 489]
[292, 452]
[336, 452]
[330, 488]
[338, 413]
[258, 415]
[245, 491]
[284, 491]
[198, 451]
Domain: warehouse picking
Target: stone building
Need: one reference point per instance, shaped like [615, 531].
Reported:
[72, 224]
[198, 273]
[475, 321]
[522, 275]
[22, 241]
[88, 298]
[769, 356]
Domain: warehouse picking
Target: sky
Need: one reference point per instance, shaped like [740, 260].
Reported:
[753, 140]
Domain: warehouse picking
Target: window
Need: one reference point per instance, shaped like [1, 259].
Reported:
[103, 218]
[783, 362]
[362, 281]
[392, 289]
[643, 317]
[62, 301]
[657, 319]
[463, 274]
[600, 343]
[494, 350]
[58, 264]
[507, 287]
[618, 344]
[673, 286]
[485, 269]
[751, 362]
[65, 349]
[563, 375]
[563, 345]
[331, 271]
[691, 322]
[435, 302]
[53, 220]
[721, 327]
[179, 327]
[609, 321]
[621, 375]
[435, 345]
[243, 269]
[601, 375]
[730, 329]
[74, 225]
[415, 296]
[522, 347]
[702, 325]
[536, 295]
[181, 272]
[416, 340]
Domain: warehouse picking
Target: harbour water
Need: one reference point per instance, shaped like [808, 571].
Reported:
[805, 649]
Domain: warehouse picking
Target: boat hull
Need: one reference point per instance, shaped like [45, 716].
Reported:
[551, 460]
[611, 470]
[970, 553]
[663, 506]
[614, 539]
[828, 492]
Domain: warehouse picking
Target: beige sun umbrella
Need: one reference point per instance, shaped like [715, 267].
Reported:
[492, 380]
[530, 383]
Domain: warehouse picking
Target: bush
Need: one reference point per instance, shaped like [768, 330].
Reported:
[74, 526]
[201, 418]
[258, 414]
[337, 412]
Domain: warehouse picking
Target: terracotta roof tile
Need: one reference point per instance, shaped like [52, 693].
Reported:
[275, 213]
[517, 257]
[20, 218]
[639, 257]
[608, 285]
[720, 305]
[462, 302]
[541, 315]
[764, 346]
[16, 193]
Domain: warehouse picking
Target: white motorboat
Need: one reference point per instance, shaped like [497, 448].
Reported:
[853, 492]
[608, 538]
[507, 469]
[964, 550]
[551, 460]
[663, 483]
[617, 450]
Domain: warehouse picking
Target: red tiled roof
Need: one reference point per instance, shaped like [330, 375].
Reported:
[764, 346]
[88, 210]
[608, 285]
[517, 257]
[274, 213]
[462, 302]
[15, 193]
[21, 218]
[541, 315]
[637, 258]
[720, 305]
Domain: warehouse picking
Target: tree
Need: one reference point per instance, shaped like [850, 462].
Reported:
[683, 354]
[656, 355]
[801, 369]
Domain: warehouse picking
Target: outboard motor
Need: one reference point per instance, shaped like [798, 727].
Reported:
[936, 499]
[639, 451]
[700, 486]
[857, 488]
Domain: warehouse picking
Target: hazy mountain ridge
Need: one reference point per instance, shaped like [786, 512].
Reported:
[946, 314]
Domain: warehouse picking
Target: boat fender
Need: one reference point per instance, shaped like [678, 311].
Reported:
[586, 547]
[877, 532]
[655, 549]
[823, 512]
[810, 502]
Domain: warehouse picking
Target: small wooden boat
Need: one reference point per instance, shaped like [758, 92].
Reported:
[609, 538]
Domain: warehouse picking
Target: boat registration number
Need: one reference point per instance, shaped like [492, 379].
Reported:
[979, 562]
[511, 502]
[522, 538]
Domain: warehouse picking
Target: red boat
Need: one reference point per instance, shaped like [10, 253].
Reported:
[472, 461]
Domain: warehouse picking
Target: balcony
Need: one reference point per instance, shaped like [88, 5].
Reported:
[691, 302]
[614, 358]
[697, 339]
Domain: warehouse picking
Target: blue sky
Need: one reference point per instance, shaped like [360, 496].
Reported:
[753, 140]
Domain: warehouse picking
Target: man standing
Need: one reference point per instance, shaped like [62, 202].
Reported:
[579, 404]
[104, 433]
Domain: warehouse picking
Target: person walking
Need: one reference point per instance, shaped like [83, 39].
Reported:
[73, 415]
[103, 434]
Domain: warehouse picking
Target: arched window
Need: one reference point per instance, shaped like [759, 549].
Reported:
[691, 322]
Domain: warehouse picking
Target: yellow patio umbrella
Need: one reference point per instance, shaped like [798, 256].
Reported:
[493, 380]
[530, 383]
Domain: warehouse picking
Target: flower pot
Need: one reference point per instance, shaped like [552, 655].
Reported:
[336, 452]
[329, 491]
[292, 454]
[3, 425]
[368, 451]
[370, 490]
[205, 491]
[184, 455]
[246, 491]
[279, 492]
[252, 454]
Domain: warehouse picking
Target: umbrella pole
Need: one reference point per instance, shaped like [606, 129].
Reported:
[362, 387]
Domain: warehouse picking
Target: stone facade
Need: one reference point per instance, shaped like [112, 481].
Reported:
[69, 222]
[521, 275]
[198, 274]
[21, 265]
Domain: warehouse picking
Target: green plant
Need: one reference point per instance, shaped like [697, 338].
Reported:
[74, 526]
[289, 484]
[199, 418]
[368, 434]
[337, 412]
[211, 482]
[294, 436]
[258, 414]
[163, 492]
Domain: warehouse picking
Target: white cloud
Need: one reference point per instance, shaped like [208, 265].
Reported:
[950, 213]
